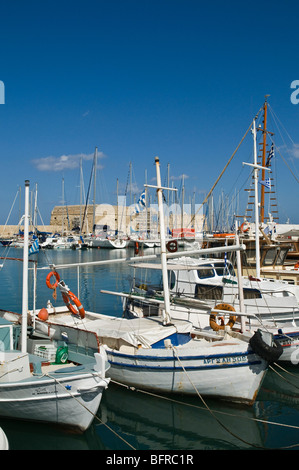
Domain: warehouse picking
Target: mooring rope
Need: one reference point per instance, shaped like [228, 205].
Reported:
[86, 408]
[205, 407]
[214, 412]
[209, 409]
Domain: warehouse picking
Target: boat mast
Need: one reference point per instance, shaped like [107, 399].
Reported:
[94, 189]
[163, 245]
[256, 210]
[25, 271]
[81, 196]
[262, 209]
[256, 203]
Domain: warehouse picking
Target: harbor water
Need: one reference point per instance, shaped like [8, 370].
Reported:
[132, 419]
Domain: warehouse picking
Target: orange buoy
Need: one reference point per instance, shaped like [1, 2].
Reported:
[43, 314]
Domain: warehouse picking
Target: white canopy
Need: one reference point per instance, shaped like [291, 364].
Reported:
[138, 331]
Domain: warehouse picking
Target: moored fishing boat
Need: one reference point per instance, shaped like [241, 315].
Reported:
[36, 387]
[4, 445]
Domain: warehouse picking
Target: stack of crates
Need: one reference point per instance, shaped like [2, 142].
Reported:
[47, 352]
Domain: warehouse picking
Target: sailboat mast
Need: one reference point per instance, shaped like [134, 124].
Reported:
[81, 196]
[94, 188]
[25, 271]
[262, 210]
[163, 244]
[256, 214]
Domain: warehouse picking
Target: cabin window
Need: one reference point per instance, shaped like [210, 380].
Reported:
[156, 281]
[206, 291]
[290, 281]
[224, 269]
[205, 272]
[269, 257]
[252, 294]
[249, 256]
[282, 254]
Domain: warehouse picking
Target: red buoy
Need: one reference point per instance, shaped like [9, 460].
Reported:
[43, 314]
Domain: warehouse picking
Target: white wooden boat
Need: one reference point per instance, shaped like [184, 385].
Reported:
[213, 281]
[199, 287]
[4, 444]
[33, 389]
[69, 396]
[145, 353]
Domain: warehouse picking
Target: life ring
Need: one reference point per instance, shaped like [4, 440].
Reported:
[67, 298]
[231, 321]
[48, 280]
[172, 246]
[296, 267]
[223, 235]
[244, 227]
[269, 353]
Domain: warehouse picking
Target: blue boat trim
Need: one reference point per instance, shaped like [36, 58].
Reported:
[187, 358]
[286, 336]
[188, 368]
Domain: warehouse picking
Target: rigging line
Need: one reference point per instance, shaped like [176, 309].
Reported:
[284, 160]
[10, 211]
[224, 169]
[281, 376]
[87, 197]
[123, 207]
[210, 410]
[219, 422]
[276, 117]
[287, 371]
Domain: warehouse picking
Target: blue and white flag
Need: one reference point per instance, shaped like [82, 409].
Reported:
[266, 183]
[270, 156]
[267, 230]
[141, 203]
[34, 247]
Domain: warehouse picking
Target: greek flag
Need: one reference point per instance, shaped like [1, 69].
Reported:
[141, 203]
[267, 230]
[270, 156]
[34, 247]
[266, 183]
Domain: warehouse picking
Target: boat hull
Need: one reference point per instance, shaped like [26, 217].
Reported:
[231, 376]
[61, 398]
[107, 243]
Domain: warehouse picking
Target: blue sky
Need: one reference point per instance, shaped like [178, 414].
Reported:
[181, 79]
